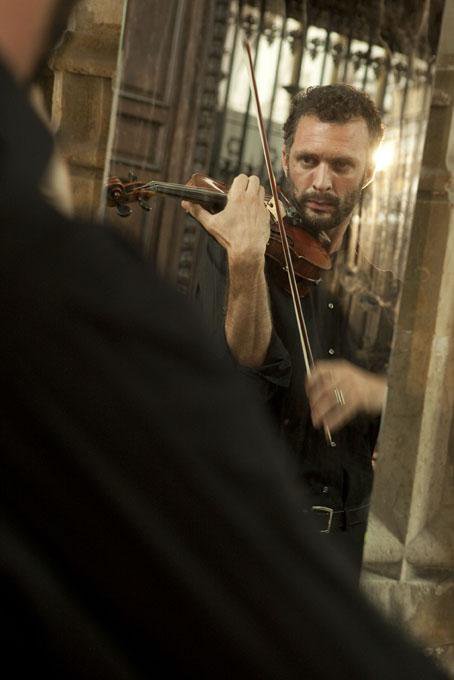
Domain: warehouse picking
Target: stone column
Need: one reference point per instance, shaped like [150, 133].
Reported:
[409, 555]
[83, 67]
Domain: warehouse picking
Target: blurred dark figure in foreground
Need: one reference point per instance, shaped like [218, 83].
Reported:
[147, 517]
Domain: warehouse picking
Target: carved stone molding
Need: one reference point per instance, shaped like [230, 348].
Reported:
[409, 556]
[83, 67]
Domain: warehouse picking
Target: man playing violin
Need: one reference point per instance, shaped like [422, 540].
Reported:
[329, 140]
[135, 532]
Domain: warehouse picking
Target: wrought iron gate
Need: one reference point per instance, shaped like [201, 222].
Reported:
[385, 47]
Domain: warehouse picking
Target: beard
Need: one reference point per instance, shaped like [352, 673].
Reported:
[57, 26]
[317, 222]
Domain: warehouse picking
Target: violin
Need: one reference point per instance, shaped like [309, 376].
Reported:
[309, 252]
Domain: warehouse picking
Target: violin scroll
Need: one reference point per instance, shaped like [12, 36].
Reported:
[120, 193]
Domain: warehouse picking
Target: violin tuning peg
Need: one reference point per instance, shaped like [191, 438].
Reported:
[144, 204]
[132, 176]
[123, 210]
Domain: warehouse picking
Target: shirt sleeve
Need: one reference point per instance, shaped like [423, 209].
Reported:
[210, 294]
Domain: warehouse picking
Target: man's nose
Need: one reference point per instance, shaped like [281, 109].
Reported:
[321, 179]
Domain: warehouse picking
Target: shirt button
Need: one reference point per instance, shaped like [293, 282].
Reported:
[330, 305]
[331, 351]
[325, 489]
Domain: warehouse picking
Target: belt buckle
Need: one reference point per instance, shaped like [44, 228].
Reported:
[330, 511]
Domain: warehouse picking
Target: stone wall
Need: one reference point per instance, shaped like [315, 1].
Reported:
[409, 556]
[83, 69]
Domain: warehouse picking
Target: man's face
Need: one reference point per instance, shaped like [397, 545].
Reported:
[326, 168]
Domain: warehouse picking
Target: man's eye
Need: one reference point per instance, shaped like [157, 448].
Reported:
[308, 161]
[341, 166]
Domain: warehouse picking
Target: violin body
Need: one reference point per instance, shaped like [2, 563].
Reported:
[308, 252]
[309, 257]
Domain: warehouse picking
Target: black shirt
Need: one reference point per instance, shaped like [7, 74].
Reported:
[337, 477]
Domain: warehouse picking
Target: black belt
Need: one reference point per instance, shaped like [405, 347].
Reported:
[331, 520]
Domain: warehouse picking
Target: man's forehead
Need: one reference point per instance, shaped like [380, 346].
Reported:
[352, 135]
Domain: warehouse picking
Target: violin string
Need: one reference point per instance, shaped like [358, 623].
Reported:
[183, 189]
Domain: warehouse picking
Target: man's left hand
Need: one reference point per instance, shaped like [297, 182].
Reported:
[338, 391]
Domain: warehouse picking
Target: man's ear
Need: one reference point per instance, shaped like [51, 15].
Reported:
[369, 174]
[284, 160]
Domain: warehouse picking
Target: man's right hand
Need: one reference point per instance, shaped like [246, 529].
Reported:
[243, 226]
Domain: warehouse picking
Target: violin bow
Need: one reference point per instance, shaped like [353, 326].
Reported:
[302, 328]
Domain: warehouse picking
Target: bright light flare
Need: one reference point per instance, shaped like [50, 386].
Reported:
[384, 156]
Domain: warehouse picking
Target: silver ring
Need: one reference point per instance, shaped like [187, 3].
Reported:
[340, 399]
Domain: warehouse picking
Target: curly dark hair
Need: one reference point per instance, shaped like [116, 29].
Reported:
[334, 104]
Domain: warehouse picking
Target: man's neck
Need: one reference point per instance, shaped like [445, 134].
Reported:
[337, 236]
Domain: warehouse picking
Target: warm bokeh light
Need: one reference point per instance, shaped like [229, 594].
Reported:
[384, 156]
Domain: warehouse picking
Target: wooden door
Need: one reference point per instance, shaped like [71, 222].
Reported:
[171, 57]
